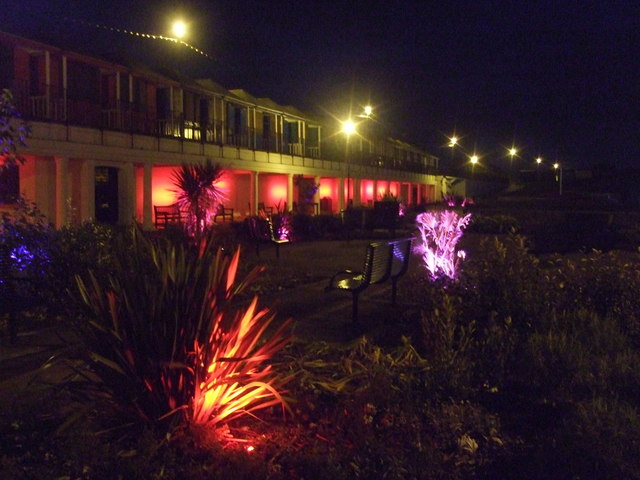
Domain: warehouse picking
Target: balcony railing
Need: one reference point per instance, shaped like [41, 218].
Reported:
[55, 106]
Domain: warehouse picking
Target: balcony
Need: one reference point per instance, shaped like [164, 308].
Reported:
[55, 107]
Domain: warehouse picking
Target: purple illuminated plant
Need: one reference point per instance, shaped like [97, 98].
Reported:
[439, 233]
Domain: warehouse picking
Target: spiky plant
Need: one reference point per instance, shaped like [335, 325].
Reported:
[163, 338]
[197, 193]
[439, 233]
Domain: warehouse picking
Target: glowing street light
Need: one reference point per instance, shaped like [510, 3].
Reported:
[513, 152]
[348, 127]
[538, 162]
[453, 141]
[558, 167]
[473, 159]
[368, 110]
[179, 29]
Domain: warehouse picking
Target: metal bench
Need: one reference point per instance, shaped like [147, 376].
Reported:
[223, 212]
[386, 260]
[261, 231]
[166, 215]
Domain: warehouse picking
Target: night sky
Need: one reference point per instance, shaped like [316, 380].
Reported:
[558, 78]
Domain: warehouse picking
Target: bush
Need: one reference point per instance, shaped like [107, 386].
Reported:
[495, 224]
[160, 337]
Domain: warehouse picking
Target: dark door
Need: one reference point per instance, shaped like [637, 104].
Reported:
[107, 195]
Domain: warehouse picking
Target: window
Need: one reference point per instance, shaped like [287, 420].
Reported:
[82, 81]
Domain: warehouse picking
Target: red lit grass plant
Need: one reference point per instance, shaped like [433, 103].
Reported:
[439, 233]
[163, 340]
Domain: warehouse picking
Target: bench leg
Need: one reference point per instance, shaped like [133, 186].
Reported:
[354, 308]
[394, 290]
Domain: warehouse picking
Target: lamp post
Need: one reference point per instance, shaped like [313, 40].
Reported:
[348, 128]
[473, 159]
[513, 152]
[538, 162]
[558, 167]
[453, 143]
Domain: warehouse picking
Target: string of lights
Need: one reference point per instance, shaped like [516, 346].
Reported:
[141, 35]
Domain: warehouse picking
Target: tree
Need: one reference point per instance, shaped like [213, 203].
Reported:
[13, 131]
[198, 193]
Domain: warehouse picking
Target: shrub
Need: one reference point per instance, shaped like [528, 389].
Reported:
[493, 224]
[504, 282]
[161, 341]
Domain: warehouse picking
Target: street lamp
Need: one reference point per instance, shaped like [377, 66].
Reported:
[473, 159]
[453, 142]
[179, 29]
[512, 153]
[348, 128]
[558, 167]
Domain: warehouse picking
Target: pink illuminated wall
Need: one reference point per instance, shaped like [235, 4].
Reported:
[163, 188]
[383, 187]
[366, 192]
[273, 190]
[329, 189]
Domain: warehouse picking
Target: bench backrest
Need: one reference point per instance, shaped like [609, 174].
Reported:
[261, 229]
[377, 262]
[400, 254]
[167, 214]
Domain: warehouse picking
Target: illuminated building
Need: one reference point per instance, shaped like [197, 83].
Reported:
[106, 139]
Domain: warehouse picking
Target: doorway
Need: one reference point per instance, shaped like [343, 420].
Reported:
[106, 195]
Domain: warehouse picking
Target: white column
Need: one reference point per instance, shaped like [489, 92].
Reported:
[87, 190]
[341, 205]
[255, 193]
[255, 129]
[289, 192]
[62, 191]
[316, 195]
[126, 194]
[147, 198]
[357, 199]
[47, 76]
[64, 87]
